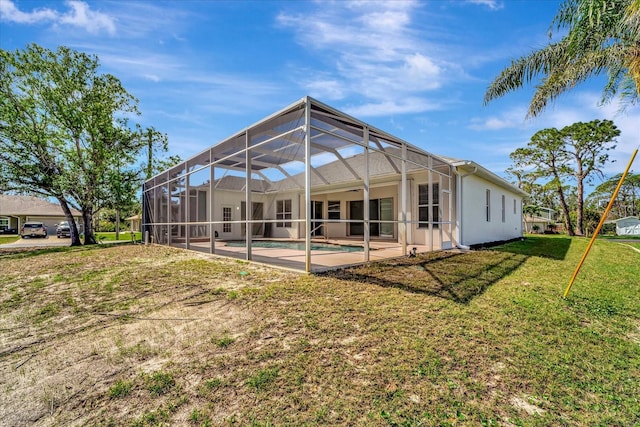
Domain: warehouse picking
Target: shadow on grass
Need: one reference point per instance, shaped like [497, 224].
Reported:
[553, 247]
[455, 276]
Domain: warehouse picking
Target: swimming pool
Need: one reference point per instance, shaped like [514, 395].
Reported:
[300, 246]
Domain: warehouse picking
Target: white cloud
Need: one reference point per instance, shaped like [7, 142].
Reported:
[155, 21]
[9, 12]
[374, 50]
[584, 107]
[79, 15]
[152, 77]
[491, 4]
[494, 123]
[419, 68]
[390, 20]
[391, 107]
[329, 89]
[513, 118]
[578, 106]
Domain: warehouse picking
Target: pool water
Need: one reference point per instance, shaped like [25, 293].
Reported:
[271, 244]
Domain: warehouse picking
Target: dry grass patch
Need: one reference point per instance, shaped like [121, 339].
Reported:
[76, 322]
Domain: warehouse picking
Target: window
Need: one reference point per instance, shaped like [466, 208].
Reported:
[423, 205]
[283, 212]
[504, 209]
[334, 210]
[488, 205]
[4, 223]
[226, 218]
[515, 211]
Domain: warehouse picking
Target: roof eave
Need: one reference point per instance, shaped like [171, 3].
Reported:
[487, 174]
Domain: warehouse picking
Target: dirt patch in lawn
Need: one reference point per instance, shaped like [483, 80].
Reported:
[70, 329]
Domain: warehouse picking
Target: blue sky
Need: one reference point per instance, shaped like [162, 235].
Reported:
[204, 70]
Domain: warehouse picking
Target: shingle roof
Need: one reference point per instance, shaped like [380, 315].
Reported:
[11, 205]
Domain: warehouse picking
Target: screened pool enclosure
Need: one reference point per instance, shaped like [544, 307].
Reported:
[308, 188]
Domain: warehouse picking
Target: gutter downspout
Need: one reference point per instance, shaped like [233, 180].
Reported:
[459, 178]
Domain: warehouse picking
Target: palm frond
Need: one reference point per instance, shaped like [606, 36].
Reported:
[524, 70]
[602, 36]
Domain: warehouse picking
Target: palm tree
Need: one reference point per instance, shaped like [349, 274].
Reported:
[602, 36]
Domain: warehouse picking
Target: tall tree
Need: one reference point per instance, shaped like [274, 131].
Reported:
[586, 145]
[576, 152]
[628, 200]
[64, 128]
[30, 143]
[545, 154]
[599, 36]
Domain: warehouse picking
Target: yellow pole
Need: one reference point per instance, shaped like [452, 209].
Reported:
[604, 216]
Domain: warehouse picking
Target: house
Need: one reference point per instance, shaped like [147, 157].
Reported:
[16, 210]
[627, 226]
[135, 223]
[540, 220]
[319, 189]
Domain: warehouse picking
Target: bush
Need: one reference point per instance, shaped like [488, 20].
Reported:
[105, 226]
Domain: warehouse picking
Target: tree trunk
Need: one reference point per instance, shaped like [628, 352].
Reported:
[565, 211]
[118, 223]
[87, 218]
[580, 209]
[75, 236]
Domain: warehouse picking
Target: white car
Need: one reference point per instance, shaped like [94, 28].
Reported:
[33, 229]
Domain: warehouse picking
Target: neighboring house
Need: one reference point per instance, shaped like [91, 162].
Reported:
[135, 223]
[543, 219]
[360, 185]
[16, 210]
[627, 226]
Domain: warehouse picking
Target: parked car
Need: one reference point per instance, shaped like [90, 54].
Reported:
[33, 229]
[63, 229]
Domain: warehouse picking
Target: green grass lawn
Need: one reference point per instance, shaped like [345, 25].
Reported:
[111, 236]
[8, 239]
[150, 335]
[615, 237]
[100, 236]
[635, 245]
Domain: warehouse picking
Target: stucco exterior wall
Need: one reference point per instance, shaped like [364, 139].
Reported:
[475, 226]
[234, 199]
[387, 189]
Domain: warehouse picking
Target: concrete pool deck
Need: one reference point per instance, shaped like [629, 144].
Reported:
[294, 259]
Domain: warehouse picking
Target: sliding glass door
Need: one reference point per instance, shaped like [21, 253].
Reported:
[379, 209]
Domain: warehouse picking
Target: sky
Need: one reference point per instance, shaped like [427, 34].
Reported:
[203, 70]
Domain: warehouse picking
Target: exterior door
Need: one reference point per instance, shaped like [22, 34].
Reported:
[356, 212]
[379, 209]
[386, 214]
